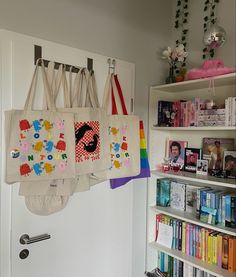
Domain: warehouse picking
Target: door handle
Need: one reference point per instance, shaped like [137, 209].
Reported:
[25, 239]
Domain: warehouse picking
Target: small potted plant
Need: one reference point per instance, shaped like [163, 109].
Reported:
[174, 57]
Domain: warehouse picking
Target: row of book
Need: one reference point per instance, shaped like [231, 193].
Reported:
[209, 205]
[230, 111]
[216, 207]
[172, 267]
[196, 112]
[205, 244]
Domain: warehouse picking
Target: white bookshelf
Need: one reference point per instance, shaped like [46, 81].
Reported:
[202, 265]
[224, 87]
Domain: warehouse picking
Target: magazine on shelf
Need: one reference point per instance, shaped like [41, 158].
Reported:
[213, 151]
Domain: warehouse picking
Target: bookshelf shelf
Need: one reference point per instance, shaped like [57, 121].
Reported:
[188, 217]
[223, 80]
[206, 128]
[192, 177]
[212, 269]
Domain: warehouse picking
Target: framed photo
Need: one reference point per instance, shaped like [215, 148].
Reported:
[213, 151]
[190, 159]
[202, 167]
[229, 163]
[176, 152]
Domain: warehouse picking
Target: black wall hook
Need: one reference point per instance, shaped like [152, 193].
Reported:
[68, 67]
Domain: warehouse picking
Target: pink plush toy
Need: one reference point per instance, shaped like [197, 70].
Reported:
[210, 68]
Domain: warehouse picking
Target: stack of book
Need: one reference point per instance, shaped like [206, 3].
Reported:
[196, 112]
[230, 111]
[176, 195]
[207, 245]
[216, 207]
[175, 268]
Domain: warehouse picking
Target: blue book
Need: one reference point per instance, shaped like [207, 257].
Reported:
[227, 209]
[162, 262]
[190, 240]
[163, 192]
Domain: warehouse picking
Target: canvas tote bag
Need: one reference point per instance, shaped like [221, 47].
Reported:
[144, 164]
[42, 195]
[123, 132]
[39, 144]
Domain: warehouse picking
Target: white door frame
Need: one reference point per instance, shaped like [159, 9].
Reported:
[5, 190]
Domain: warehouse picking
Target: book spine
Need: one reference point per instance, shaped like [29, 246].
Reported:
[233, 212]
[187, 239]
[209, 249]
[203, 243]
[174, 231]
[159, 113]
[206, 245]
[214, 252]
[180, 236]
[194, 241]
[183, 237]
[225, 252]
[158, 219]
[197, 243]
[191, 240]
[234, 111]
[231, 255]
[228, 211]
[230, 111]
[219, 250]
[177, 235]
[223, 211]
[227, 112]
[200, 243]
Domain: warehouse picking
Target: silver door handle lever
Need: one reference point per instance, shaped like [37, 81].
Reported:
[25, 239]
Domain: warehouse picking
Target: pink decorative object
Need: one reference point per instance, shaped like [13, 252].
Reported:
[210, 68]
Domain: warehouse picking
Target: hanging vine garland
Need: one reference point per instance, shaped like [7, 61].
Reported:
[210, 7]
[181, 21]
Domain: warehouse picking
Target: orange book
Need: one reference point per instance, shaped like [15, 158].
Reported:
[232, 255]
[225, 252]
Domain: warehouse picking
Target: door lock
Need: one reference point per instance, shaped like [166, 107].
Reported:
[24, 254]
[25, 239]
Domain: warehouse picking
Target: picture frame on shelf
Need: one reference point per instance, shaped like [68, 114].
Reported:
[229, 163]
[176, 151]
[190, 159]
[202, 167]
[213, 151]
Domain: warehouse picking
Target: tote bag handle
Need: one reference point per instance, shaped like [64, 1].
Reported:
[32, 90]
[55, 82]
[117, 91]
[84, 90]
[113, 100]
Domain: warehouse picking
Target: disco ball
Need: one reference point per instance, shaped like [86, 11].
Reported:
[215, 37]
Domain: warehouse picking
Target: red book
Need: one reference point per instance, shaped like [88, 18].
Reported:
[158, 219]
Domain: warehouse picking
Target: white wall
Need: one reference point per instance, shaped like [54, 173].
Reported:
[226, 19]
[135, 31]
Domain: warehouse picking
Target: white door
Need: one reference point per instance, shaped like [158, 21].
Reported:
[92, 236]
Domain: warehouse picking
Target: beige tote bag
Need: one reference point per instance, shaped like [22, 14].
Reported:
[39, 144]
[124, 144]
